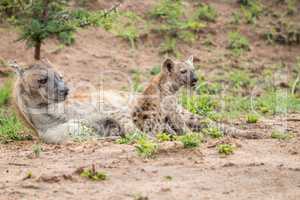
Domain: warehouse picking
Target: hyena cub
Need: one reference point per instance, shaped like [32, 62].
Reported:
[157, 109]
[38, 91]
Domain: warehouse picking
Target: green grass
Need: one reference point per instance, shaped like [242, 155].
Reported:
[207, 13]
[146, 148]
[238, 43]
[10, 127]
[155, 70]
[252, 118]
[281, 135]
[5, 92]
[225, 149]
[251, 11]
[213, 132]
[190, 140]
[131, 138]
[93, 175]
[163, 137]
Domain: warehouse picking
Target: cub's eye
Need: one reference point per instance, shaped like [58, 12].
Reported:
[43, 80]
[183, 71]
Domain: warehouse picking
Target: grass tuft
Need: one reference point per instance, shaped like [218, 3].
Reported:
[191, 140]
[225, 149]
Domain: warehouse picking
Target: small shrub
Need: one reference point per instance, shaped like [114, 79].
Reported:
[225, 149]
[163, 137]
[238, 43]
[146, 148]
[191, 140]
[252, 118]
[207, 13]
[93, 175]
[281, 135]
[251, 11]
[213, 132]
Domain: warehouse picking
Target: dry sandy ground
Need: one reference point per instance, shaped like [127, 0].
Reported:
[264, 169]
[259, 169]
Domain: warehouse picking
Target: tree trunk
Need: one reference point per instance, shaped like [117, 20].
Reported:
[37, 51]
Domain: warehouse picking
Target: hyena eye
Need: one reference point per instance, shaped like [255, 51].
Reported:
[183, 71]
[43, 80]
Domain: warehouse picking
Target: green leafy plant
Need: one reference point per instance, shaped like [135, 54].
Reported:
[280, 135]
[225, 149]
[213, 132]
[191, 140]
[173, 24]
[207, 13]
[93, 175]
[252, 118]
[238, 43]
[162, 137]
[251, 10]
[240, 79]
[146, 148]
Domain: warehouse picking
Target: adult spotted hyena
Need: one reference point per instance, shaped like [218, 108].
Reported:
[39, 91]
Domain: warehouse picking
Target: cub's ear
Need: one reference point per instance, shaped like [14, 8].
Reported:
[17, 68]
[168, 66]
[190, 60]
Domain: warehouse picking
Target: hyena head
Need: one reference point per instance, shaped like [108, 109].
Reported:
[44, 83]
[180, 73]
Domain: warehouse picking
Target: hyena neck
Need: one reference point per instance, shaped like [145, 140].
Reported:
[39, 115]
[167, 87]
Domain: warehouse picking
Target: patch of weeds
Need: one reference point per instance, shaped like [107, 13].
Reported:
[5, 92]
[163, 137]
[208, 88]
[199, 104]
[234, 106]
[238, 43]
[240, 79]
[225, 149]
[213, 132]
[191, 140]
[131, 138]
[146, 148]
[172, 23]
[252, 118]
[155, 70]
[129, 26]
[10, 127]
[93, 175]
[251, 11]
[291, 7]
[283, 32]
[278, 101]
[207, 13]
[281, 135]
[236, 18]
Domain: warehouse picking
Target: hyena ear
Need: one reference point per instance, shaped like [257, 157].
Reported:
[18, 69]
[190, 60]
[168, 66]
